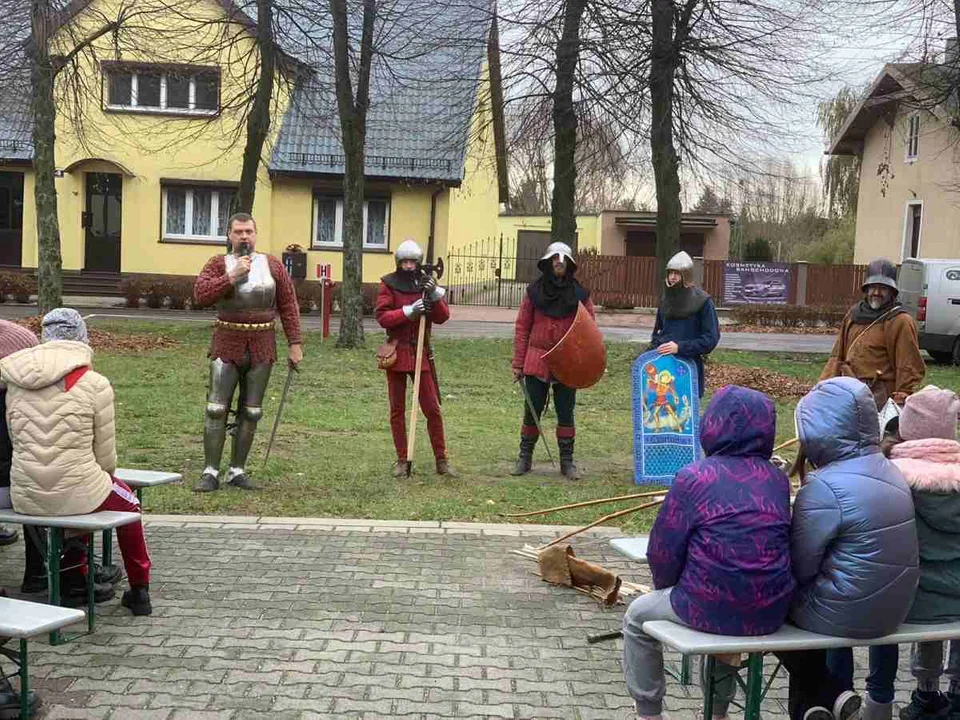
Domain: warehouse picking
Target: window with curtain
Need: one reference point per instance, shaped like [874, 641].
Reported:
[196, 213]
[913, 137]
[161, 89]
[328, 223]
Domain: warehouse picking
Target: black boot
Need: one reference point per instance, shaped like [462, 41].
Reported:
[525, 458]
[137, 600]
[568, 468]
[10, 701]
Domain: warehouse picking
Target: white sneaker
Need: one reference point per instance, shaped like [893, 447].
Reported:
[846, 706]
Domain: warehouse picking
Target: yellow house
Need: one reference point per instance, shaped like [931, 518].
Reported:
[148, 185]
[904, 129]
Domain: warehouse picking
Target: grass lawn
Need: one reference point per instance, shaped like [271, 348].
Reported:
[333, 452]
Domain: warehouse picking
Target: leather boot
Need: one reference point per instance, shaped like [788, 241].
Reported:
[525, 458]
[443, 468]
[567, 467]
[400, 469]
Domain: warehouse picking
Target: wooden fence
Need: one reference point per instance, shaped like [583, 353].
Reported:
[623, 282]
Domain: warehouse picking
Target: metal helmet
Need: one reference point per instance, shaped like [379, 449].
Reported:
[557, 248]
[409, 250]
[881, 272]
[681, 262]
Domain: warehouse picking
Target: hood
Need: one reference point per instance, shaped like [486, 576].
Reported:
[931, 465]
[41, 366]
[739, 421]
[837, 420]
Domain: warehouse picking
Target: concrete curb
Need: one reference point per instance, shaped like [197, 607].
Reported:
[412, 527]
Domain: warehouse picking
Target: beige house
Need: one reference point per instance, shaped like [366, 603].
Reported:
[909, 198]
[621, 232]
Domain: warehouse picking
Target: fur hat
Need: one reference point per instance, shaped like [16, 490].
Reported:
[930, 413]
[64, 324]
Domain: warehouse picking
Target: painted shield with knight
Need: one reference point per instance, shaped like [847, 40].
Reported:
[666, 417]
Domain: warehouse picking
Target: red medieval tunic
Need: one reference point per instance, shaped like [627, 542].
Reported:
[231, 345]
[389, 313]
[535, 333]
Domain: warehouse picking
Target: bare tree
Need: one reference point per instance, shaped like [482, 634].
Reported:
[352, 106]
[258, 120]
[780, 207]
[53, 49]
[840, 174]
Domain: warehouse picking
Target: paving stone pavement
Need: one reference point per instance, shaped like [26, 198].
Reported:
[257, 617]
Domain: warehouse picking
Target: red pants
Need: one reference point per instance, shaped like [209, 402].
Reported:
[429, 403]
[133, 547]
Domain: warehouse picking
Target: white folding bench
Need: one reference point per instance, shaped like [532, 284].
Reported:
[22, 620]
[105, 520]
[693, 642]
[136, 480]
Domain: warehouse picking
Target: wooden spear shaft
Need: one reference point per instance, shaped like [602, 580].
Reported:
[786, 444]
[586, 503]
[611, 516]
[415, 403]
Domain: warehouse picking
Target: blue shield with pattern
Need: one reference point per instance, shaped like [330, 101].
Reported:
[666, 417]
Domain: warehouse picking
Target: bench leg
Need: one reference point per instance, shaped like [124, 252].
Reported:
[107, 555]
[91, 606]
[755, 689]
[54, 546]
[24, 682]
[710, 667]
[685, 669]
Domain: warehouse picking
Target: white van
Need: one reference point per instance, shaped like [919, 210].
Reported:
[930, 291]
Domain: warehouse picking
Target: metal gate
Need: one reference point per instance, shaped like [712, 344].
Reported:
[486, 272]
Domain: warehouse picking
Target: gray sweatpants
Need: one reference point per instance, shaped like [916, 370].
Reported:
[926, 664]
[643, 658]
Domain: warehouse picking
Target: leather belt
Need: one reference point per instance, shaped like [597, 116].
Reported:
[248, 327]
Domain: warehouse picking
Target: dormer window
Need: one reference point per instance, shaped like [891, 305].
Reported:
[913, 137]
[167, 89]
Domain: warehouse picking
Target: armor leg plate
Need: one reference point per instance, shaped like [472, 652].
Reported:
[253, 386]
[223, 381]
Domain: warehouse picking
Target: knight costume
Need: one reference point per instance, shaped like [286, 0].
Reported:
[687, 317]
[242, 353]
[404, 296]
[548, 310]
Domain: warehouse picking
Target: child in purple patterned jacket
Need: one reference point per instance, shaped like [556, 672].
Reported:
[719, 550]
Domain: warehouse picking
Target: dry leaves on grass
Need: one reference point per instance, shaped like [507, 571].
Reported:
[100, 340]
[772, 383]
[768, 329]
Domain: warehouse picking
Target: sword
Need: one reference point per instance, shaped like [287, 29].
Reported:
[276, 422]
[536, 420]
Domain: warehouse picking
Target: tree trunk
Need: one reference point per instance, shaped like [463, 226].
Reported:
[351, 294]
[258, 122]
[353, 127]
[42, 76]
[666, 172]
[563, 208]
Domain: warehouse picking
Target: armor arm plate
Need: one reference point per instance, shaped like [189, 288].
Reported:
[287, 305]
[212, 283]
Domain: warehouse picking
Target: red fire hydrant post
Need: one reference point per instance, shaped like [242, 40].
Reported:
[327, 309]
[324, 273]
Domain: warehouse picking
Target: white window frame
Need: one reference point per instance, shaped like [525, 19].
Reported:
[188, 213]
[912, 149]
[908, 229]
[134, 92]
[338, 225]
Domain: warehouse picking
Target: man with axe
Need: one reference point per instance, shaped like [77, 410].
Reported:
[409, 302]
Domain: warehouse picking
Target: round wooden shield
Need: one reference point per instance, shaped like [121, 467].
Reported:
[579, 359]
